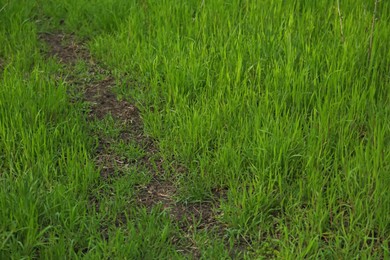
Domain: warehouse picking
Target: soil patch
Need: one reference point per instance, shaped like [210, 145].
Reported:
[65, 47]
[97, 91]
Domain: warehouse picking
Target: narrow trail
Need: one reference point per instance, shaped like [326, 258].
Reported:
[97, 91]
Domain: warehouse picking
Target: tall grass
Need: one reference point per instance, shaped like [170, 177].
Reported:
[47, 177]
[268, 100]
[45, 167]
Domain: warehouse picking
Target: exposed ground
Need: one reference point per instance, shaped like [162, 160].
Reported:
[97, 92]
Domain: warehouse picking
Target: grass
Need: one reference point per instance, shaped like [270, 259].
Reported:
[272, 102]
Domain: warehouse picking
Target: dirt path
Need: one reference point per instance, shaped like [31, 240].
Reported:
[97, 91]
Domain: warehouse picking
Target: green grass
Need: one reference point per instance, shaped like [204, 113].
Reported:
[262, 99]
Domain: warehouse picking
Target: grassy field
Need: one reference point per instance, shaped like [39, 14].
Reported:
[156, 129]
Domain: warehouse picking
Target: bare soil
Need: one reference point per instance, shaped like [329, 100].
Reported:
[98, 93]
